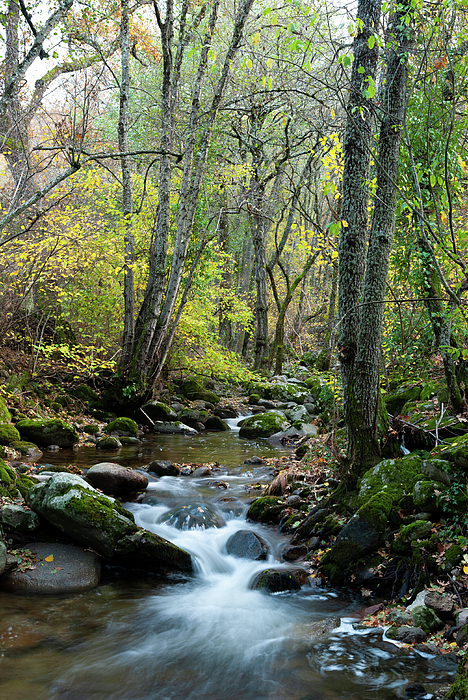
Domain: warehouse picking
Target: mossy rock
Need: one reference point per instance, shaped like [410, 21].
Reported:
[48, 432]
[150, 552]
[12, 483]
[263, 425]
[90, 429]
[5, 415]
[27, 449]
[397, 477]
[363, 534]
[456, 452]
[109, 442]
[156, 410]
[395, 401]
[452, 557]
[459, 689]
[8, 434]
[427, 493]
[84, 393]
[412, 408]
[427, 619]
[87, 516]
[56, 407]
[410, 533]
[254, 399]
[123, 426]
[286, 392]
[265, 508]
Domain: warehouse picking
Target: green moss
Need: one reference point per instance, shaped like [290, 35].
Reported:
[426, 618]
[8, 434]
[5, 415]
[85, 393]
[459, 689]
[12, 482]
[452, 557]
[263, 425]
[410, 533]
[426, 494]
[90, 429]
[259, 510]
[124, 425]
[396, 400]
[23, 446]
[99, 508]
[48, 432]
[254, 399]
[397, 477]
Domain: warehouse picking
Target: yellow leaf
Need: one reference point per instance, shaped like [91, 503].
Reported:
[332, 113]
[49, 558]
[465, 569]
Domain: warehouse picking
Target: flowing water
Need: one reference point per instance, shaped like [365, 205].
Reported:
[209, 637]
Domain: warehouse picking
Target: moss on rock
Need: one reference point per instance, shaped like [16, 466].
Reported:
[48, 432]
[5, 415]
[263, 424]
[12, 483]
[396, 477]
[395, 401]
[261, 509]
[125, 426]
[8, 434]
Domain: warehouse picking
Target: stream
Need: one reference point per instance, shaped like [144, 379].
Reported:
[208, 637]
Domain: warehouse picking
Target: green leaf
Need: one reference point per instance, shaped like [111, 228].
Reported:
[371, 41]
[361, 69]
[433, 180]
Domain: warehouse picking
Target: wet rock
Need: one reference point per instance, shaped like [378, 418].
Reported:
[442, 604]
[246, 544]
[150, 552]
[122, 427]
[226, 412]
[266, 509]
[254, 460]
[3, 556]
[230, 505]
[19, 518]
[176, 428]
[414, 690]
[445, 663]
[108, 443]
[293, 553]
[163, 467]
[428, 648]
[219, 484]
[158, 411]
[115, 480]
[192, 516]
[201, 471]
[314, 543]
[216, 423]
[277, 580]
[59, 568]
[76, 508]
[48, 432]
[400, 617]
[406, 634]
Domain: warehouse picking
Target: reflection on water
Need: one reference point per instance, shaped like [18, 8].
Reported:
[208, 638]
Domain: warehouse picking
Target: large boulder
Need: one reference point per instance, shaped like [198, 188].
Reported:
[88, 517]
[18, 517]
[48, 432]
[246, 544]
[8, 434]
[13, 484]
[156, 410]
[123, 426]
[115, 480]
[456, 452]
[150, 552]
[193, 390]
[192, 516]
[363, 534]
[277, 580]
[216, 423]
[396, 477]
[263, 425]
[57, 569]
[286, 392]
[395, 400]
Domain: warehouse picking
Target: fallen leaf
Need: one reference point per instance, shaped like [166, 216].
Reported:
[49, 558]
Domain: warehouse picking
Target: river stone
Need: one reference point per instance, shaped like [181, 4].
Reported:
[216, 423]
[163, 467]
[294, 552]
[150, 552]
[157, 411]
[436, 470]
[87, 516]
[72, 570]
[263, 425]
[109, 442]
[192, 516]
[176, 428]
[201, 472]
[444, 663]
[408, 635]
[19, 518]
[225, 412]
[115, 480]
[443, 605]
[3, 556]
[246, 544]
[462, 616]
[48, 432]
[276, 580]
[298, 413]
[426, 618]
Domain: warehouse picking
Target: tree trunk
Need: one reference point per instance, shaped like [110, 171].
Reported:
[362, 330]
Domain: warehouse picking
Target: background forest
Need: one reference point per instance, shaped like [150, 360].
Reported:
[176, 180]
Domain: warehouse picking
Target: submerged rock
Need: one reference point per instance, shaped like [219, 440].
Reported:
[59, 568]
[150, 552]
[246, 544]
[163, 467]
[192, 516]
